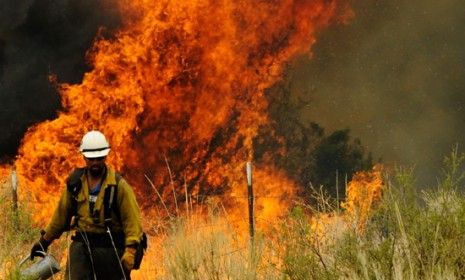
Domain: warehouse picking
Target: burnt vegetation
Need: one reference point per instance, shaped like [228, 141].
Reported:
[310, 155]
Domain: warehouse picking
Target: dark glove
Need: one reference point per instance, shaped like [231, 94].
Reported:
[39, 246]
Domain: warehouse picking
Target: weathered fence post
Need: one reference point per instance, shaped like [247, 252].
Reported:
[14, 188]
[250, 200]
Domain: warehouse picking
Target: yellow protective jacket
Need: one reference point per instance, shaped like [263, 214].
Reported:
[130, 222]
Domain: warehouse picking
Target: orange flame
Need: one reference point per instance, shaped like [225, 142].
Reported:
[4, 172]
[363, 191]
[181, 83]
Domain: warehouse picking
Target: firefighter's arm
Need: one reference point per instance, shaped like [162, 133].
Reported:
[55, 227]
[61, 218]
[130, 214]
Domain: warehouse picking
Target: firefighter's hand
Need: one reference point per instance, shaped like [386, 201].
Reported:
[39, 246]
[128, 258]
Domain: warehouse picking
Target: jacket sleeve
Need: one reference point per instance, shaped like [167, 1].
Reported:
[130, 213]
[61, 218]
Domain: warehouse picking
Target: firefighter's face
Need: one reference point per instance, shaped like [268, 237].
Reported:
[96, 166]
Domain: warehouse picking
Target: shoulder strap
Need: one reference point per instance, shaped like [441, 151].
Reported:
[73, 182]
[109, 201]
[74, 185]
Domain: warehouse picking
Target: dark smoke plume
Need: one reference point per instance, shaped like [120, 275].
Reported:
[39, 39]
[395, 75]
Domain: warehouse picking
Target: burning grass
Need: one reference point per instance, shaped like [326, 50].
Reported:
[406, 235]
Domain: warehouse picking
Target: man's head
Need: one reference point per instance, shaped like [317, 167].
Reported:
[94, 147]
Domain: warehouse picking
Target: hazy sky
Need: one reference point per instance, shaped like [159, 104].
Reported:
[395, 75]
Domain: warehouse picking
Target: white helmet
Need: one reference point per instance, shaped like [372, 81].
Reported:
[94, 145]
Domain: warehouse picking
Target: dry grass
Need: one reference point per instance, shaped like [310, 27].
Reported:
[409, 235]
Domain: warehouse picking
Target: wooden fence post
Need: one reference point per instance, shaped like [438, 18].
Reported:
[250, 200]
[14, 188]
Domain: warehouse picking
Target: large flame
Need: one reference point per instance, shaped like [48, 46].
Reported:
[179, 92]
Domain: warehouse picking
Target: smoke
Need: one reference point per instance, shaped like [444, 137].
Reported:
[39, 39]
[13, 14]
[395, 76]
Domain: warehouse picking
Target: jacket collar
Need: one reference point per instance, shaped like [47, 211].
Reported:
[109, 179]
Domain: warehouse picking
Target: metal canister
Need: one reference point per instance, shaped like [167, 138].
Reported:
[40, 270]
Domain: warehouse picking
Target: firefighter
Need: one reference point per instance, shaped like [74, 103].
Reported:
[106, 233]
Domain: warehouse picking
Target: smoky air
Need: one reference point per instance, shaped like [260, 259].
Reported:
[394, 75]
[40, 40]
